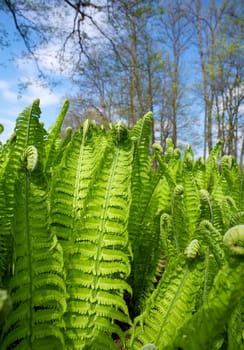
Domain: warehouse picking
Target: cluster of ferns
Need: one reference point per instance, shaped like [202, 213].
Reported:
[109, 242]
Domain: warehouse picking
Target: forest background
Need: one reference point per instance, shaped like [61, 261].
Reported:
[183, 60]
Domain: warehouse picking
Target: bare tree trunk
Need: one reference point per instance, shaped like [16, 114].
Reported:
[207, 101]
[132, 116]
[242, 156]
[174, 99]
[135, 68]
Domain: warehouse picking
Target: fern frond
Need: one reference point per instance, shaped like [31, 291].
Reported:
[91, 199]
[156, 198]
[199, 172]
[206, 210]
[170, 304]
[205, 326]
[179, 217]
[191, 194]
[211, 172]
[37, 287]
[231, 179]
[141, 173]
[74, 178]
[208, 233]
[167, 234]
[53, 137]
[236, 327]
[28, 131]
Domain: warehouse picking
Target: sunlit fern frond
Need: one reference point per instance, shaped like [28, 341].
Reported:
[36, 287]
[141, 173]
[91, 198]
[28, 131]
[212, 164]
[53, 139]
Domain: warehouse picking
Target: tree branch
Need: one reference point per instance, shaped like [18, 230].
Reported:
[12, 10]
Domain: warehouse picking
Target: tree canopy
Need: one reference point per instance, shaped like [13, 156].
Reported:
[181, 60]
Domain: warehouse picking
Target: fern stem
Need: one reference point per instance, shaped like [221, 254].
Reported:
[27, 190]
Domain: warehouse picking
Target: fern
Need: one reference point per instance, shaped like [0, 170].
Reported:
[236, 327]
[208, 234]
[12, 156]
[204, 328]
[180, 233]
[211, 166]
[53, 139]
[191, 194]
[146, 268]
[141, 172]
[170, 304]
[90, 219]
[36, 286]
[90, 216]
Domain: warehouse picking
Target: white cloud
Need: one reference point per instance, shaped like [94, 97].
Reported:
[8, 93]
[11, 105]
[46, 96]
[48, 53]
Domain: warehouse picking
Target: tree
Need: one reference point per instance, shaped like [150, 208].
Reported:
[39, 23]
[229, 85]
[127, 58]
[176, 35]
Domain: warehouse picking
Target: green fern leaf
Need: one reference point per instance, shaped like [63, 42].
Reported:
[91, 197]
[140, 175]
[171, 303]
[211, 166]
[204, 328]
[236, 327]
[208, 233]
[191, 194]
[27, 132]
[36, 283]
[54, 137]
[37, 287]
[179, 219]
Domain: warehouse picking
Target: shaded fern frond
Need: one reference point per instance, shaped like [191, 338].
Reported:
[191, 194]
[181, 235]
[236, 327]
[170, 304]
[210, 235]
[204, 328]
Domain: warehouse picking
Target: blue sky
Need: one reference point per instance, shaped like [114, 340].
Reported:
[14, 70]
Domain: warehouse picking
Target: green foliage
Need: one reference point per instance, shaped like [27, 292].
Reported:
[105, 240]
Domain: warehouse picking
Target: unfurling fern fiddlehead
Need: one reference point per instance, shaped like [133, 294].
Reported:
[192, 250]
[31, 157]
[234, 239]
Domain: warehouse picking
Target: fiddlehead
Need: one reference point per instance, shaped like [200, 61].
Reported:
[192, 250]
[119, 132]
[31, 157]
[234, 239]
